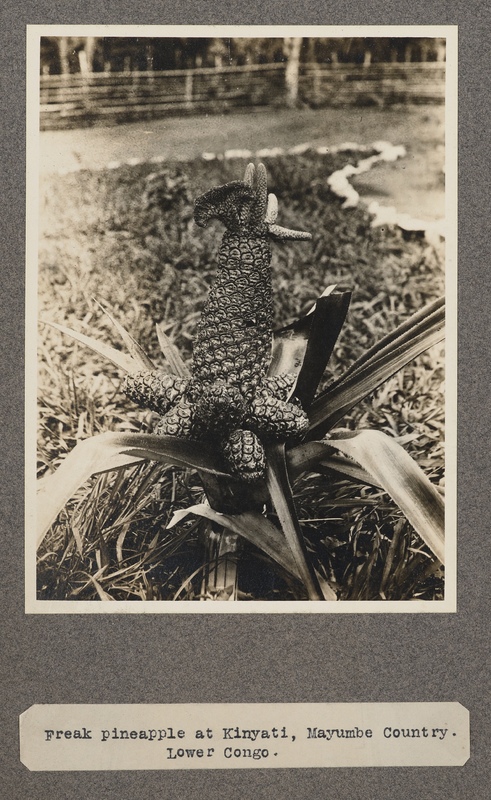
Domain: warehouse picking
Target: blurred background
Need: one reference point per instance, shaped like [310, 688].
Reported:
[92, 79]
[109, 99]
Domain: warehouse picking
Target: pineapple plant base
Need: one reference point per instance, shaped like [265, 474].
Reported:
[339, 536]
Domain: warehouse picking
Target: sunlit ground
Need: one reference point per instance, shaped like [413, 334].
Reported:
[414, 185]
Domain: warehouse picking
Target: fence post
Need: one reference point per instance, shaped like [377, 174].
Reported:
[316, 84]
[188, 90]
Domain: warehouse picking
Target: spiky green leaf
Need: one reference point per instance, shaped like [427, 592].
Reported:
[426, 319]
[109, 451]
[253, 526]
[172, 354]
[328, 318]
[282, 499]
[341, 397]
[401, 477]
[320, 456]
[121, 360]
[134, 349]
[289, 346]
[290, 342]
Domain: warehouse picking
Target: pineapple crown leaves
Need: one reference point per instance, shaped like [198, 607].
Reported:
[245, 206]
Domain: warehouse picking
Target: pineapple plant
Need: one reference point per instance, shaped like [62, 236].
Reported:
[247, 415]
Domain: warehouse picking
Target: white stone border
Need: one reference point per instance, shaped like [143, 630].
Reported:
[338, 181]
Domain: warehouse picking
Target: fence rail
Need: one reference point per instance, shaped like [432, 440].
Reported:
[79, 99]
[377, 84]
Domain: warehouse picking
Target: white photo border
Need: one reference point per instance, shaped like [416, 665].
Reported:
[449, 604]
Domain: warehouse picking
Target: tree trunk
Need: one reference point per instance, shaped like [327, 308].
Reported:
[292, 47]
[63, 48]
[90, 49]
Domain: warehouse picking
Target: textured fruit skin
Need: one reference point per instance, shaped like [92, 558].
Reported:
[229, 400]
[234, 335]
[154, 389]
[245, 455]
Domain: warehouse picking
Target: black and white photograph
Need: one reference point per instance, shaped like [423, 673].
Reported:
[242, 243]
[245, 426]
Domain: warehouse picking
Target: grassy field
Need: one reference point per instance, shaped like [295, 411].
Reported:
[126, 238]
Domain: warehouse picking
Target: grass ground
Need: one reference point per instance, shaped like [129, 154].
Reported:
[125, 236]
[414, 186]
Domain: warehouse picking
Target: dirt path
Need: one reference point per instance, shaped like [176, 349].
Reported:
[414, 185]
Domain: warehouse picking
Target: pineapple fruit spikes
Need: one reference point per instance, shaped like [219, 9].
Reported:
[229, 400]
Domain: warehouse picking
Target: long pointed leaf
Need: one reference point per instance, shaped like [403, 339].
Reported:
[335, 402]
[327, 320]
[290, 342]
[121, 360]
[435, 322]
[403, 480]
[112, 451]
[327, 291]
[289, 346]
[257, 529]
[135, 350]
[220, 579]
[172, 354]
[281, 496]
[432, 317]
[314, 456]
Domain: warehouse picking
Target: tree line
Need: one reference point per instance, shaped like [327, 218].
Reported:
[71, 54]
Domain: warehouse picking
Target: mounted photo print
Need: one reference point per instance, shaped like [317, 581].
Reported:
[241, 242]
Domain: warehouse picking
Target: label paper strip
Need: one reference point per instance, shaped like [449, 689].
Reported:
[243, 736]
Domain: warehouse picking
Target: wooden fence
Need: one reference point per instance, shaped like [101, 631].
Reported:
[372, 84]
[80, 99]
